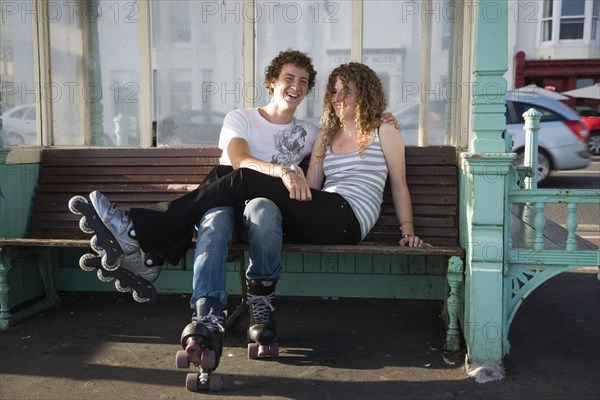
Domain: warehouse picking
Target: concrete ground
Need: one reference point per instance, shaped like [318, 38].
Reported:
[106, 346]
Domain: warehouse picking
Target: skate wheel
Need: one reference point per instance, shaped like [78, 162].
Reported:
[274, 349]
[121, 288]
[83, 262]
[182, 360]
[208, 359]
[216, 382]
[103, 277]
[252, 350]
[84, 226]
[138, 298]
[108, 266]
[94, 245]
[73, 203]
[191, 382]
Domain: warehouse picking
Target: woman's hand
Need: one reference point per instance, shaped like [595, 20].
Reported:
[411, 241]
[294, 180]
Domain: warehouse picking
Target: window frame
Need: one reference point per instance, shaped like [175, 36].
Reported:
[44, 112]
[555, 19]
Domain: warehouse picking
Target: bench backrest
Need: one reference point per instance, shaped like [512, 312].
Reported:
[140, 177]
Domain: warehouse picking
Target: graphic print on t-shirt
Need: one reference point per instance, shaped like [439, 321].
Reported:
[289, 144]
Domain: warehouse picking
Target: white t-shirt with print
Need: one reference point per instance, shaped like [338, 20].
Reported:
[278, 144]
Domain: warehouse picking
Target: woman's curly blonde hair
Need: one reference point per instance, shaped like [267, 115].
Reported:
[295, 57]
[369, 99]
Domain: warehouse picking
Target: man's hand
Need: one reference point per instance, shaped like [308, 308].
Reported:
[388, 118]
[294, 180]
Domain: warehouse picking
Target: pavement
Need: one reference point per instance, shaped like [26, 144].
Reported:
[106, 346]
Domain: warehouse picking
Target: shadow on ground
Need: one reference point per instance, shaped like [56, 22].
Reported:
[104, 345]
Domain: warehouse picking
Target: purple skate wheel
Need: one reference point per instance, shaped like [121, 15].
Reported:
[216, 383]
[252, 350]
[191, 382]
[182, 360]
[274, 349]
[208, 359]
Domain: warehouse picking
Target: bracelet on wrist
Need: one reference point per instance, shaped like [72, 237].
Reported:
[406, 235]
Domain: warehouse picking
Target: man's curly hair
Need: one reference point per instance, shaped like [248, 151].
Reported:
[298, 58]
[369, 99]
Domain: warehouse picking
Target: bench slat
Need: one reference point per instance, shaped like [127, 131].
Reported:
[141, 177]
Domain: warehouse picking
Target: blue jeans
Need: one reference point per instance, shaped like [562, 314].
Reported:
[260, 227]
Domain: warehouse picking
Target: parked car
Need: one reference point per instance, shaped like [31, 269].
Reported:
[194, 127]
[18, 125]
[408, 119]
[593, 125]
[562, 138]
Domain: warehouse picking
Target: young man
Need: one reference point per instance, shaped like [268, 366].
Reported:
[268, 139]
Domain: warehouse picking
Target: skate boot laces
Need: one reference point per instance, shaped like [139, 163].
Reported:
[211, 321]
[261, 307]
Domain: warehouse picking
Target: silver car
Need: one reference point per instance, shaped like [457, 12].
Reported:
[18, 125]
[562, 138]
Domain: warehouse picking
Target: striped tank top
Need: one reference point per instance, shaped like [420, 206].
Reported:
[360, 181]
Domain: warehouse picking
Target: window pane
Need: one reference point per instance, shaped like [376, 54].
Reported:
[198, 79]
[572, 7]
[395, 54]
[320, 28]
[547, 34]
[98, 65]
[17, 77]
[547, 8]
[571, 28]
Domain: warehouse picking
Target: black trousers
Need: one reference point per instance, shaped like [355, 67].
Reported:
[166, 229]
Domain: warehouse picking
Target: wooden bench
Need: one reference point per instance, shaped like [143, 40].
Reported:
[140, 177]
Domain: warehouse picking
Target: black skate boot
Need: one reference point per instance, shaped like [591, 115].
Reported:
[262, 335]
[202, 340]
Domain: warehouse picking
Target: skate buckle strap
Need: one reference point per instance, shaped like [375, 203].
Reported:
[211, 321]
[109, 217]
[261, 307]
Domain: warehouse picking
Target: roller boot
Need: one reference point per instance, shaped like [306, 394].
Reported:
[134, 276]
[202, 340]
[262, 335]
[113, 229]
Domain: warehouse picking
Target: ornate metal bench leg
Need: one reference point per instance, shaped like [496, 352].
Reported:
[455, 278]
[5, 315]
[46, 273]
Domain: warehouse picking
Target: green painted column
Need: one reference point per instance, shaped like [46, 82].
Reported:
[483, 175]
